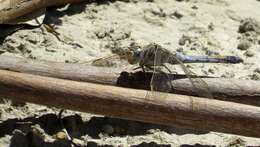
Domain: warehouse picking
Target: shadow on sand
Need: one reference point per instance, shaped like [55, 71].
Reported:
[24, 134]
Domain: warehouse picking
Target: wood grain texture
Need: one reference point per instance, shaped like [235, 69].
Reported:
[241, 91]
[19, 8]
[125, 103]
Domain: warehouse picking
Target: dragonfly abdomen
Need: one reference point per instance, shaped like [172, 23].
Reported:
[207, 59]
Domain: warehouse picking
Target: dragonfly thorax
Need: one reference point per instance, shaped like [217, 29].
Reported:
[155, 55]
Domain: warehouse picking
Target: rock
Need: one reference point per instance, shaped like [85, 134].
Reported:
[244, 45]
[257, 70]
[184, 39]
[211, 71]
[249, 24]
[61, 135]
[255, 76]
[195, 7]
[228, 75]
[211, 26]
[176, 14]
[236, 141]
[249, 53]
[180, 49]
[78, 142]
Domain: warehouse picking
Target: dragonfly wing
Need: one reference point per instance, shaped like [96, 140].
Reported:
[160, 83]
[108, 61]
[199, 85]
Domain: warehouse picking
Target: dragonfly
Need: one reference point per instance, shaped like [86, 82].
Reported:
[153, 57]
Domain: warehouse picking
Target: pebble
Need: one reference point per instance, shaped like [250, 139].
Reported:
[211, 71]
[244, 45]
[228, 75]
[177, 15]
[195, 7]
[249, 53]
[257, 70]
[249, 24]
[184, 39]
[180, 49]
[61, 135]
[78, 142]
[255, 76]
[211, 26]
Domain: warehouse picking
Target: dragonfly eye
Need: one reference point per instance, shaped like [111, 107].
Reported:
[132, 55]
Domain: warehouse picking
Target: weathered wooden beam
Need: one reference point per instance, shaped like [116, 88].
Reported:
[179, 110]
[17, 8]
[241, 91]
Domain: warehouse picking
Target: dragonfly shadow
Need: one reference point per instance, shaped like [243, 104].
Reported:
[6, 29]
[151, 144]
[141, 80]
[53, 14]
[52, 17]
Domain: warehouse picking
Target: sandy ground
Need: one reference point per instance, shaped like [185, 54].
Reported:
[91, 30]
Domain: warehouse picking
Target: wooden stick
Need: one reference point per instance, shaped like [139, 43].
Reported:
[178, 110]
[241, 91]
[19, 8]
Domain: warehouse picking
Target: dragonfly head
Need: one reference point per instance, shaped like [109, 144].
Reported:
[133, 54]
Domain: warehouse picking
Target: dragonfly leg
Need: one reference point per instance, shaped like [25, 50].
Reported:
[167, 68]
[154, 69]
[137, 68]
[161, 72]
[150, 68]
[50, 29]
[151, 80]
[63, 127]
[169, 77]
[142, 67]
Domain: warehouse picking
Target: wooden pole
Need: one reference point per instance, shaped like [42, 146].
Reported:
[241, 91]
[19, 8]
[178, 110]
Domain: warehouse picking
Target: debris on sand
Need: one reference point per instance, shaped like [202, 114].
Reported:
[249, 25]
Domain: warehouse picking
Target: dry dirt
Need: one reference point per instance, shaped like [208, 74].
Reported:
[90, 30]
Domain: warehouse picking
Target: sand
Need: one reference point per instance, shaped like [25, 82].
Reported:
[90, 31]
